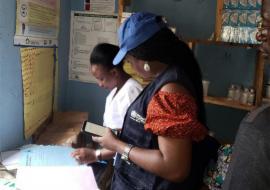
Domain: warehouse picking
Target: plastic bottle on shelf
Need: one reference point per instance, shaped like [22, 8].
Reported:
[244, 96]
[251, 97]
[237, 93]
[231, 92]
[267, 89]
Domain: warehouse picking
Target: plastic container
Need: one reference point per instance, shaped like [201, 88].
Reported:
[267, 91]
[251, 97]
[231, 91]
[244, 96]
[237, 93]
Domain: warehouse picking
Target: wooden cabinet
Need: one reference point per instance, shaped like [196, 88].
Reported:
[257, 80]
[258, 72]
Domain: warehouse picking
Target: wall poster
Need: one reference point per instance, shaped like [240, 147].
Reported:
[87, 30]
[38, 86]
[100, 6]
[37, 22]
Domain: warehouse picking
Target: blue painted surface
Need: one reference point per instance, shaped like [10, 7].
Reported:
[224, 121]
[63, 52]
[73, 95]
[221, 65]
[11, 96]
[196, 20]
[192, 18]
[86, 97]
[91, 98]
[267, 73]
[11, 109]
[77, 5]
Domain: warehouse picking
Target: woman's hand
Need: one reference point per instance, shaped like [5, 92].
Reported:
[84, 155]
[108, 141]
[79, 140]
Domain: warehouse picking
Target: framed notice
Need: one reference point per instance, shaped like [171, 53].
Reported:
[100, 6]
[37, 23]
[87, 30]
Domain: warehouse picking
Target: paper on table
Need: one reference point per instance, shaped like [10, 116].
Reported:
[7, 184]
[55, 178]
[47, 156]
[10, 159]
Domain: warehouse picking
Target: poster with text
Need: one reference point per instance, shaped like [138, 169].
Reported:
[37, 23]
[87, 30]
[100, 6]
[38, 85]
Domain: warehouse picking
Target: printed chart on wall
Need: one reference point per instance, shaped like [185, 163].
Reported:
[37, 22]
[87, 30]
[100, 6]
[38, 78]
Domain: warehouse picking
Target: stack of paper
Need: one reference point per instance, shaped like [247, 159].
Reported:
[47, 168]
[47, 156]
[56, 178]
[38, 155]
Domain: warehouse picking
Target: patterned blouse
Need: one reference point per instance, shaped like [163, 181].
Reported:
[174, 114]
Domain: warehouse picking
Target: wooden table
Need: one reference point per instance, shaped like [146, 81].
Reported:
[62, 130]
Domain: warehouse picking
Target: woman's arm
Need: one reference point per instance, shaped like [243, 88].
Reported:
[107, 154]
[88, 155]
[172, 160]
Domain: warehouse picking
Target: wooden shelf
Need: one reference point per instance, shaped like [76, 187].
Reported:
[223, 101]
[266, 100]
[213, 42]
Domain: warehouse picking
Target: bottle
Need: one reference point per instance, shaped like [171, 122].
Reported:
[231, 92]
[237, 93]
[267, 91]
[251, 97]
[244, 96]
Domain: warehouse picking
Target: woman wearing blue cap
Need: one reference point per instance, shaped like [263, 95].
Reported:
[164, 142]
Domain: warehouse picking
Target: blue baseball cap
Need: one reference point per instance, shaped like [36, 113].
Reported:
[138, 28]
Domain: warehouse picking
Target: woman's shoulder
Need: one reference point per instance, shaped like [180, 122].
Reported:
[174, 87]
[174, 113]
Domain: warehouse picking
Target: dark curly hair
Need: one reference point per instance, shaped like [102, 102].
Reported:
[103, 54]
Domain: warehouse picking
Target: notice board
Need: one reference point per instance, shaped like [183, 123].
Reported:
[38, 86]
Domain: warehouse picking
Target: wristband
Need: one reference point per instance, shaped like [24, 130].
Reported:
[125, 155]
[98, 154]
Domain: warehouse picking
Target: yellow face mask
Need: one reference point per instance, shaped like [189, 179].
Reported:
[129, 70]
